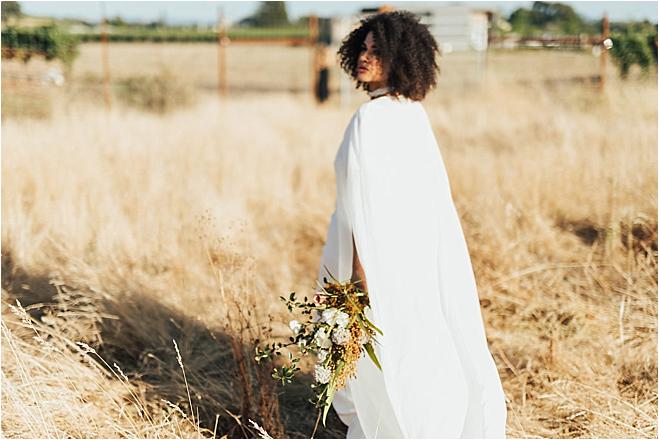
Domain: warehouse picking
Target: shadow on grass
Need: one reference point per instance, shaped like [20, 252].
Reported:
[138, 335]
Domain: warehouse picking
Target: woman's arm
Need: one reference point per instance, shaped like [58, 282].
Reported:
[357, 269]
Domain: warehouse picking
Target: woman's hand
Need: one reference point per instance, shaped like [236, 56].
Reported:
[358, 277]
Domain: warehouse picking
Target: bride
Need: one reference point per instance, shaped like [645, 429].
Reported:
[395, 229]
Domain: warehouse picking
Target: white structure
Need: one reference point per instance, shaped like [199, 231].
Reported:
[457, 27]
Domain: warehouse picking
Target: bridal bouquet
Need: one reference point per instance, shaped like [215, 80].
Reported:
[337, 332]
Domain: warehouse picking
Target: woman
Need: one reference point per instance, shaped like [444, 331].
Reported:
[395, 215]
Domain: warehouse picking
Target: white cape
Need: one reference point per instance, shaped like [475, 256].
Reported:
[438, 378]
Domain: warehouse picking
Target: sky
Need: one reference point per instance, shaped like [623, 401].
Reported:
[206, 12]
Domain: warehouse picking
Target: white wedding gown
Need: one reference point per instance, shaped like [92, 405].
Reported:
[438, 378]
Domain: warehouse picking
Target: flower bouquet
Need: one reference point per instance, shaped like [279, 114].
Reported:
[337, 331]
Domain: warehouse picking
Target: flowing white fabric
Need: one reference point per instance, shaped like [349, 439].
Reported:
[438, 377]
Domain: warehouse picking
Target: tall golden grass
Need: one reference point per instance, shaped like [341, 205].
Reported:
[148, 253]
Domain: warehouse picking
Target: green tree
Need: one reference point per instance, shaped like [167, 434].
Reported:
[521, 22]
[547, 17]
[271, 14]
[633, 48]
[10, 9]
[116, 21]
[50, 41]
[559, 15]
[625, 27]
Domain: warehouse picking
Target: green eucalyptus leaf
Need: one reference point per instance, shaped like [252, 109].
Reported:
[328, 402]
[372, 325]
[371, 354]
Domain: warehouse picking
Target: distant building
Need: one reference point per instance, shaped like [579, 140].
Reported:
[458, 27]
[455, 27]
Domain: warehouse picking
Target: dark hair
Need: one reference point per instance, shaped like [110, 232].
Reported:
[406, 49]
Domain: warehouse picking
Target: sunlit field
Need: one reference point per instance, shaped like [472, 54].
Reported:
[148, 250]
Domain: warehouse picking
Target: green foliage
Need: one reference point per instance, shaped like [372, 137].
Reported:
[634, 48]
[521, 21]
[286, 373]
[626, 27]
[165, 35]
[50, 41]
[333, 296]
[116, 21]
[561, 16]
[371, 353]
[651, 41]
[282, 32]
[271, 14]
[10, 9]
[551, 17]
[158, 93]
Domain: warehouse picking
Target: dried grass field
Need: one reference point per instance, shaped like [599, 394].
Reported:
[148, 250]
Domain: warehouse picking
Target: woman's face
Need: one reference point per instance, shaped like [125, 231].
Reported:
[369, 65]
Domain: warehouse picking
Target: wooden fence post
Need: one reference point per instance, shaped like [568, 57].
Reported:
[106, 61]
[221, 55]
[313, 41]
[603, 52]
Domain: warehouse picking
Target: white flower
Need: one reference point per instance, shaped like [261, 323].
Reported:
[322, 339]
[295, 326]
[342, 319]
[322, 374]
[335, 316]
[322, 355]
[315, 315]
[341, 336]
[329, 316]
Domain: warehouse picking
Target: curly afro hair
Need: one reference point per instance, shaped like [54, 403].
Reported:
[407, 51]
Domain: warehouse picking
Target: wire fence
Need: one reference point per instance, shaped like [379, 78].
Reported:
[303, 64]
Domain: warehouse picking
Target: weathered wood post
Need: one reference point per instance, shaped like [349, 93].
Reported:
[105, 60]
[603, 52]
[221, 54]
[313, 40]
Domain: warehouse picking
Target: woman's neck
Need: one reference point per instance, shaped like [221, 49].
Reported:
[377, 92]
